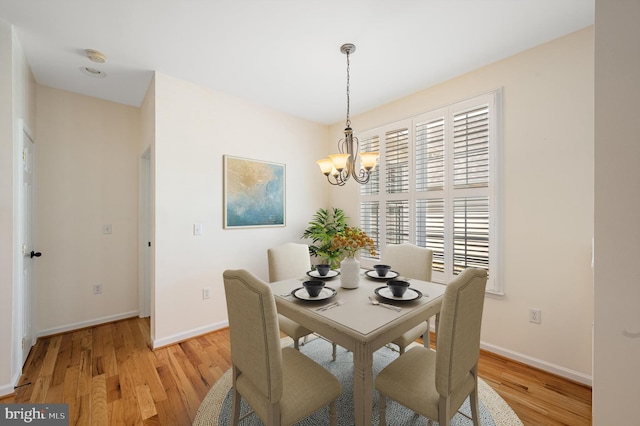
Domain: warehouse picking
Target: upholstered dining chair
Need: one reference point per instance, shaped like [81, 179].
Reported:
[410, 261]
[434, 384]
[282, 385]
[291, 260]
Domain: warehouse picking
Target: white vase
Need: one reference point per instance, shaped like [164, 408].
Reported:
[349, 272]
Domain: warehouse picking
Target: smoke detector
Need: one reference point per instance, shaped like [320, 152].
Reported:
[95, 56]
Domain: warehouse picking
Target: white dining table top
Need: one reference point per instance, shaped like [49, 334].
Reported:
[357, 317]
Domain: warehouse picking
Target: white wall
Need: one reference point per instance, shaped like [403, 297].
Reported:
[547, 168]
[617, 210]
[194, 128]
[87, 176]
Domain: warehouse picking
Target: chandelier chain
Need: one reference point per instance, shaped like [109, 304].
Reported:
[348, 102]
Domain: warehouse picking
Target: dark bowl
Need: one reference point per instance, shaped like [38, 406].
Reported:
[382, 269]
[313, 287]
[323, 269]
[398, 287]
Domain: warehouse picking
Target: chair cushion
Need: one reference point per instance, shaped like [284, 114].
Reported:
[410, 380]
[307, 387]
[410, 336]
[292, 328]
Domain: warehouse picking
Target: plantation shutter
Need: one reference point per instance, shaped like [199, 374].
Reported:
[470, 233]
[471, 148]
[429, 165]
[397, 220]
[370, 223]
[430, 223]
[397, 161]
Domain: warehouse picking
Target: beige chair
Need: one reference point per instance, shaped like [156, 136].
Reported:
[282, 385]
[434, 384]
[410, 261]
[291, 260]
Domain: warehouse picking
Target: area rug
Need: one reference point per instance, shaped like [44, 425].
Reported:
[216, 407]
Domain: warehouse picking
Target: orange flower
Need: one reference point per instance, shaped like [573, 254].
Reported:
[352, 240]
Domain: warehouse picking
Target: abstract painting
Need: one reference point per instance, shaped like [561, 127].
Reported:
[254, 193]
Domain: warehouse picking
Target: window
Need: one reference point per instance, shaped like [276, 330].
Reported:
[435, 186]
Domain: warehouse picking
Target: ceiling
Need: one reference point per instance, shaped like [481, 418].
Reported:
[284, 54]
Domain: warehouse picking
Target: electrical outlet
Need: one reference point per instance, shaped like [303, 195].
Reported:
[535, 316]
[206, 293]
[97, 289]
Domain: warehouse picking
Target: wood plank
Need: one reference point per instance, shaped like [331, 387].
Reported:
[145, 402]
[99, 410]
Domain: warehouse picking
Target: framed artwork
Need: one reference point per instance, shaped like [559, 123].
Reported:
[254, 193]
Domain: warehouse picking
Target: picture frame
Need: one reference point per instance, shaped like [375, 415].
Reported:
[254, 193]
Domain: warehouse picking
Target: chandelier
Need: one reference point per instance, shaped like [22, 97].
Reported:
[339, 167]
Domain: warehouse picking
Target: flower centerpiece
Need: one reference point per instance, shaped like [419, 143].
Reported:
[350, 242]
[353, 240]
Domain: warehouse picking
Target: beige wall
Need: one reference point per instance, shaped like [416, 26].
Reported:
[194, 128]
[87, 176]
[617, 210]
[547, 192]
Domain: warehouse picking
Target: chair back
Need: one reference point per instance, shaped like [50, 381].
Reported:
[409, 260]
[253, 327]
[458, 344]
[289, 260]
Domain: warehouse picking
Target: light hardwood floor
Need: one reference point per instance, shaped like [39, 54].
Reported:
[109, 376]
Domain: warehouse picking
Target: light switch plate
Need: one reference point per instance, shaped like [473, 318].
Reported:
[197, 229]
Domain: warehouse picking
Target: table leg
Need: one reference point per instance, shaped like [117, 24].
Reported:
[363, 384]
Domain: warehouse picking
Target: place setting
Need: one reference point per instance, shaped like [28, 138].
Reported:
[398, 291]
[323, 272]
[314, 291]
[381, 273]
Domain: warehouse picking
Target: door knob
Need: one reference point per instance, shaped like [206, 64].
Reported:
[35, 254]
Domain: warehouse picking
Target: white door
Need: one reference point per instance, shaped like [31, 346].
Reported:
[28, 250]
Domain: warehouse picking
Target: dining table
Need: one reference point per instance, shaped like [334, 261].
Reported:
[356, 323]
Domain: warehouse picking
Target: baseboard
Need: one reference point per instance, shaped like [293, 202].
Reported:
[567, 373]
[85, 324]
[181, 337]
